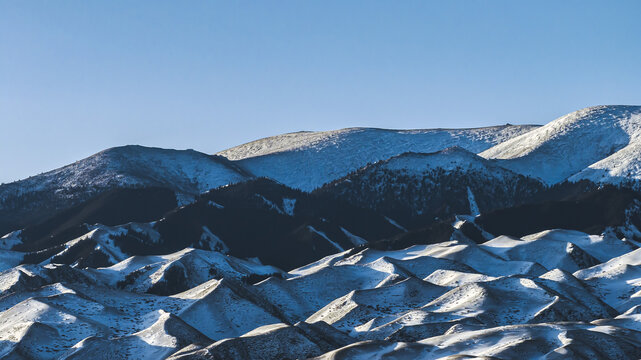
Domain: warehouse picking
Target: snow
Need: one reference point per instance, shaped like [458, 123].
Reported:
[322, 234]
[474, 208]
[188, 172]
[199, 266]
[269, 204]
[481, 260]
[10, 240]
[603, 247]
[348, 312]
[410, 176]
[442, 299]
[145, 228]
[551, 253]
[622, 167]
[319, 264]
[212, 241]
[395, 223]
[221, 313]
[498, 342]
[32, 318]
[261, 330]
[617, 282]
[288, 206]
[355, 239]
[631, 319]
[336, 153]
[598, 143]
[452, 278]
[277, 341]
[215, 204]
[449, 159]
[103, 236]
[554, 294]
[9, 259]
[299, 297]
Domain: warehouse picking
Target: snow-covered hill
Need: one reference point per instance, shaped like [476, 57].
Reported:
[440, 184]
[409, 245]
[456, 290]
[621, 168]
[504, 297]
[450, 159]
[302, 160]
[186, 172]
[598, 143]
[307, 160]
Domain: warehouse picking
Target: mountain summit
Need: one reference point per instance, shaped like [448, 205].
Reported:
[598, 141]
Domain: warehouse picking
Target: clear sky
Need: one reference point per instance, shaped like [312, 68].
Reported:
[77, 77]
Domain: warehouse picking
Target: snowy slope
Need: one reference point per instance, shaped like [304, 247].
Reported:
[167, 335]
[597, 140]
[274, 341]
[449, 159]
[9, 259]
[188, 172]
[307, 160]
[181, 270]
[617, 281]
[622, 167]
[536, 341]
[197, 284]
[449, 298]
[439, 184]
[552, 254]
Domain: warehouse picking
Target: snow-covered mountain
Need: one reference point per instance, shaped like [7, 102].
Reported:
[186, 172]
[598, 143]
[357, 243]
[307, 160]
[420, 187]
[301, 160]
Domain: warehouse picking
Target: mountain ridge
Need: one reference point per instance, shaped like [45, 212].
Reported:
[574, 142]
[339, 152]
[410, 254]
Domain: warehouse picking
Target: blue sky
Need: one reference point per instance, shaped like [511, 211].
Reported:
[77, 77]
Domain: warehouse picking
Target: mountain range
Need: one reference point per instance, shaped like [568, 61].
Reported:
[513, 241]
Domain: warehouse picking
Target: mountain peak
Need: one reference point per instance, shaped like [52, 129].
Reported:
[570, 143]
[451, 158]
